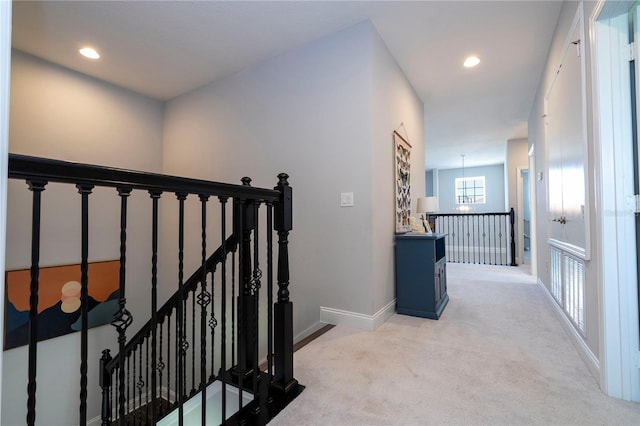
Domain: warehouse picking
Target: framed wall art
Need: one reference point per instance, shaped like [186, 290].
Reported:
[59, 300]
[402, 183]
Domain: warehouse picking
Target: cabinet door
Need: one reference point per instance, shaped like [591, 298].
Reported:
[443, 278]
[436, 286]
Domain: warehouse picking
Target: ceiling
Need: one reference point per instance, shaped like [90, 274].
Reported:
[163, 49]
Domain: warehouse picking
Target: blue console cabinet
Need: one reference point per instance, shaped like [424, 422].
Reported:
[421, 275]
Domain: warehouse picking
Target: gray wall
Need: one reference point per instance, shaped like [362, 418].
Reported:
[430, 183]
[61, 114]
[494, 183]
[325, 114]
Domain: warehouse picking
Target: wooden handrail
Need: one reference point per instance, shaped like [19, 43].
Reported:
[48, 170]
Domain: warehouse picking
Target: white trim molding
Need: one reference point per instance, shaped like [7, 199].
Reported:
[357, 320]
[608, 28]
[5, 80]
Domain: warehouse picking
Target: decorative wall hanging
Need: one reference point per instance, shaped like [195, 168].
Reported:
[402, 183]
[59, 300]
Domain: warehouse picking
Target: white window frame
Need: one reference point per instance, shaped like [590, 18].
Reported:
[464, 188]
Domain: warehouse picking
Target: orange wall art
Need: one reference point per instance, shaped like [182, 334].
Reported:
[59, 300]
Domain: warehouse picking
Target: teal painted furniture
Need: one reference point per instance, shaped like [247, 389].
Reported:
[421, 275]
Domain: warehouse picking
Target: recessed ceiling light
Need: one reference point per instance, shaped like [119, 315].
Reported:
[471, 61]
[89, 52]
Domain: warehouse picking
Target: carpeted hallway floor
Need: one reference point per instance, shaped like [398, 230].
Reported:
[497, 356]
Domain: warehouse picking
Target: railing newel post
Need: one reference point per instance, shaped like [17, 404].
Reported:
[283, 309]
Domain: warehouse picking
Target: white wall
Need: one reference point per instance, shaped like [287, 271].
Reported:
[5, 72]
[311, 113]
[395, 102]
[58, 113]
[494, 184]
[540, 201]
[517, 160]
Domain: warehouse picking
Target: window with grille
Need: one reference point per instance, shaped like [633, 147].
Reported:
[470, 190]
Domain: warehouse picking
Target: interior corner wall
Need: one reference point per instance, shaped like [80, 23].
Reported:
[61, 114]
[396, 105]
[517, 158]
[306, 113]
[537, 138]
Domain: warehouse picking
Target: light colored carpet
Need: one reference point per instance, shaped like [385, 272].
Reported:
[497, 356]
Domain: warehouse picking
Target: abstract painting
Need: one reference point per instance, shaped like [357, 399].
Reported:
[402, 183]
[59, 300]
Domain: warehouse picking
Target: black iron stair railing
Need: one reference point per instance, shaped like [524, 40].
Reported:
[481, 238]
[157, 368]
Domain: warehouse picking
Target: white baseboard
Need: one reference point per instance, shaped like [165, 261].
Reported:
[592, 362]
[357, 320]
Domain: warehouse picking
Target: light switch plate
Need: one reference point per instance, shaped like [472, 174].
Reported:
[346, 199]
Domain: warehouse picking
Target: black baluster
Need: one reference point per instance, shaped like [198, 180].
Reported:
[140, 383]
[203, 299]
[242, 254]
[105, 385]
[270, 289]
[255, 290]
[155, 366]
[512, 218]
[132, 413]
[128, 381]
[468, 239]
[146, 378]
[223, 309]
[233, 305]
[123, 318]
[84, 191]
[458, 233]
[283, 329]
[181, 340]
[484, 243]
[178, 349]
[193, 340]
[114, 391]
[474, 219]
[213, 322]
[169, 356]
[36, 187]
[159, 368]
[494, 241]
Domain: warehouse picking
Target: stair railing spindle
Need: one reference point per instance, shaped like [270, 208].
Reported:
[123, 318]
[204, 299]
[36, 187]
[180, 319]
[270, 290]
[255, 289]
[84, 191]
[223, 309]
[155, 370]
